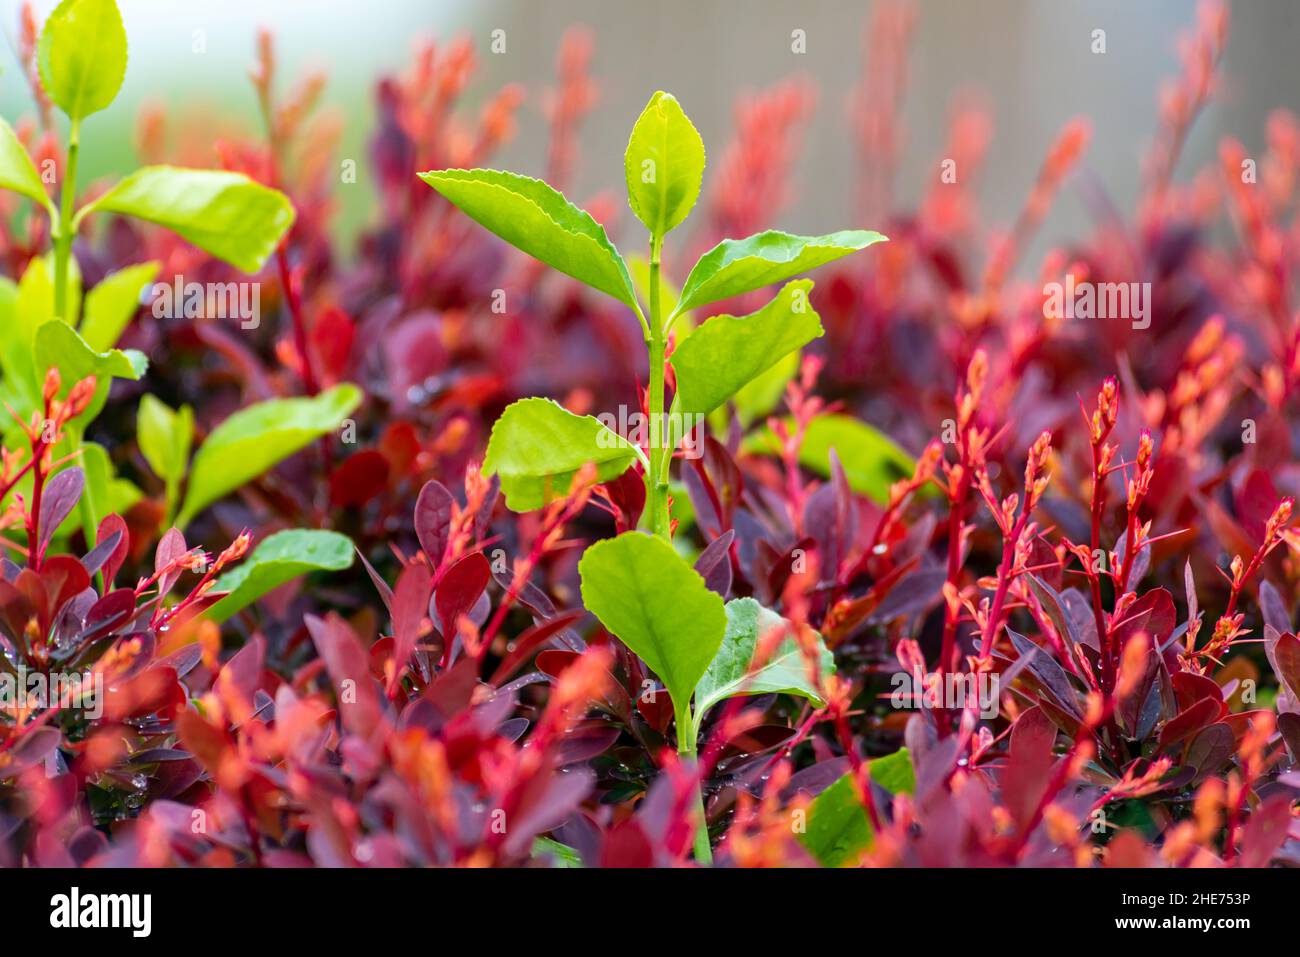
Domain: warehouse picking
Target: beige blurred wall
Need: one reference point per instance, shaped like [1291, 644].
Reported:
[1031, 60]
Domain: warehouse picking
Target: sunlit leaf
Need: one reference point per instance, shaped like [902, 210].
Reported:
[258, 437]
[838, 829]
[657, 605]
[735, 266]
[17, 172]
[59, 346]
[728, 352]
[164, 437]
[279, 558]
[663, 164]
[530, 215]
[223, 213]
[537, 447]
[113, 302]
[81, 56]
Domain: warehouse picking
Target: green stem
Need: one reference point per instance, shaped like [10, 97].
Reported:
[64, 232]
[662, 443]
[660, 452]
[686, 748]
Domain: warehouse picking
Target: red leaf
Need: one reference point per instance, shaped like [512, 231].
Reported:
[626, 846]
[433, 509]
[627, 492]
[170, 547]
[1265, 831]
[112, 525]
[359, 479]
[332, 335]
[1190, 688]
[457, 592]
[64, 578]
[1188, 722]
[1029, 765]
[400, 446]
[410, 605]
[530, 640]
[358, 697]
[1287, 655]
[61, 494]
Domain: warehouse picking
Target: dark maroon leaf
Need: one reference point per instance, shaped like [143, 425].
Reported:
[433, 509]
[714, 563]
[59, 498]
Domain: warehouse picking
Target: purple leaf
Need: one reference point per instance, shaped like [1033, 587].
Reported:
[61, 494]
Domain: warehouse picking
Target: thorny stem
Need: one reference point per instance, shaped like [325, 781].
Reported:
[63, 236]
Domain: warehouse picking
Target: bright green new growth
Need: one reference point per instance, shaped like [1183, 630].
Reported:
[82, 56]
[164, 437]
[537, 446]
[81, 59]
[639, 587]
[664, 165]
[277, 559]
[532, 216]
[725, 354]
[256, 438]
[658, 605]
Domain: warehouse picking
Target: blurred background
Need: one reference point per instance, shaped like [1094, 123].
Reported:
[1030, 62]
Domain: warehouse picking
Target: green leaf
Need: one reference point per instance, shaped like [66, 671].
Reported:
[113, 302]
[838, 827]
[871, 460]
[727, 352]
[17, 172]
[94, 503]
[658, 605]
[279, 558]
[559, 855]
[664, 165]
[530, 215]
[59, 346]
[164, 437]
[736, 266]
[894, 772]
[82, 56]
[786, 671]
[758, 397]
[22, 309]
[226, 214]
[537, 447]
[257, 438]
